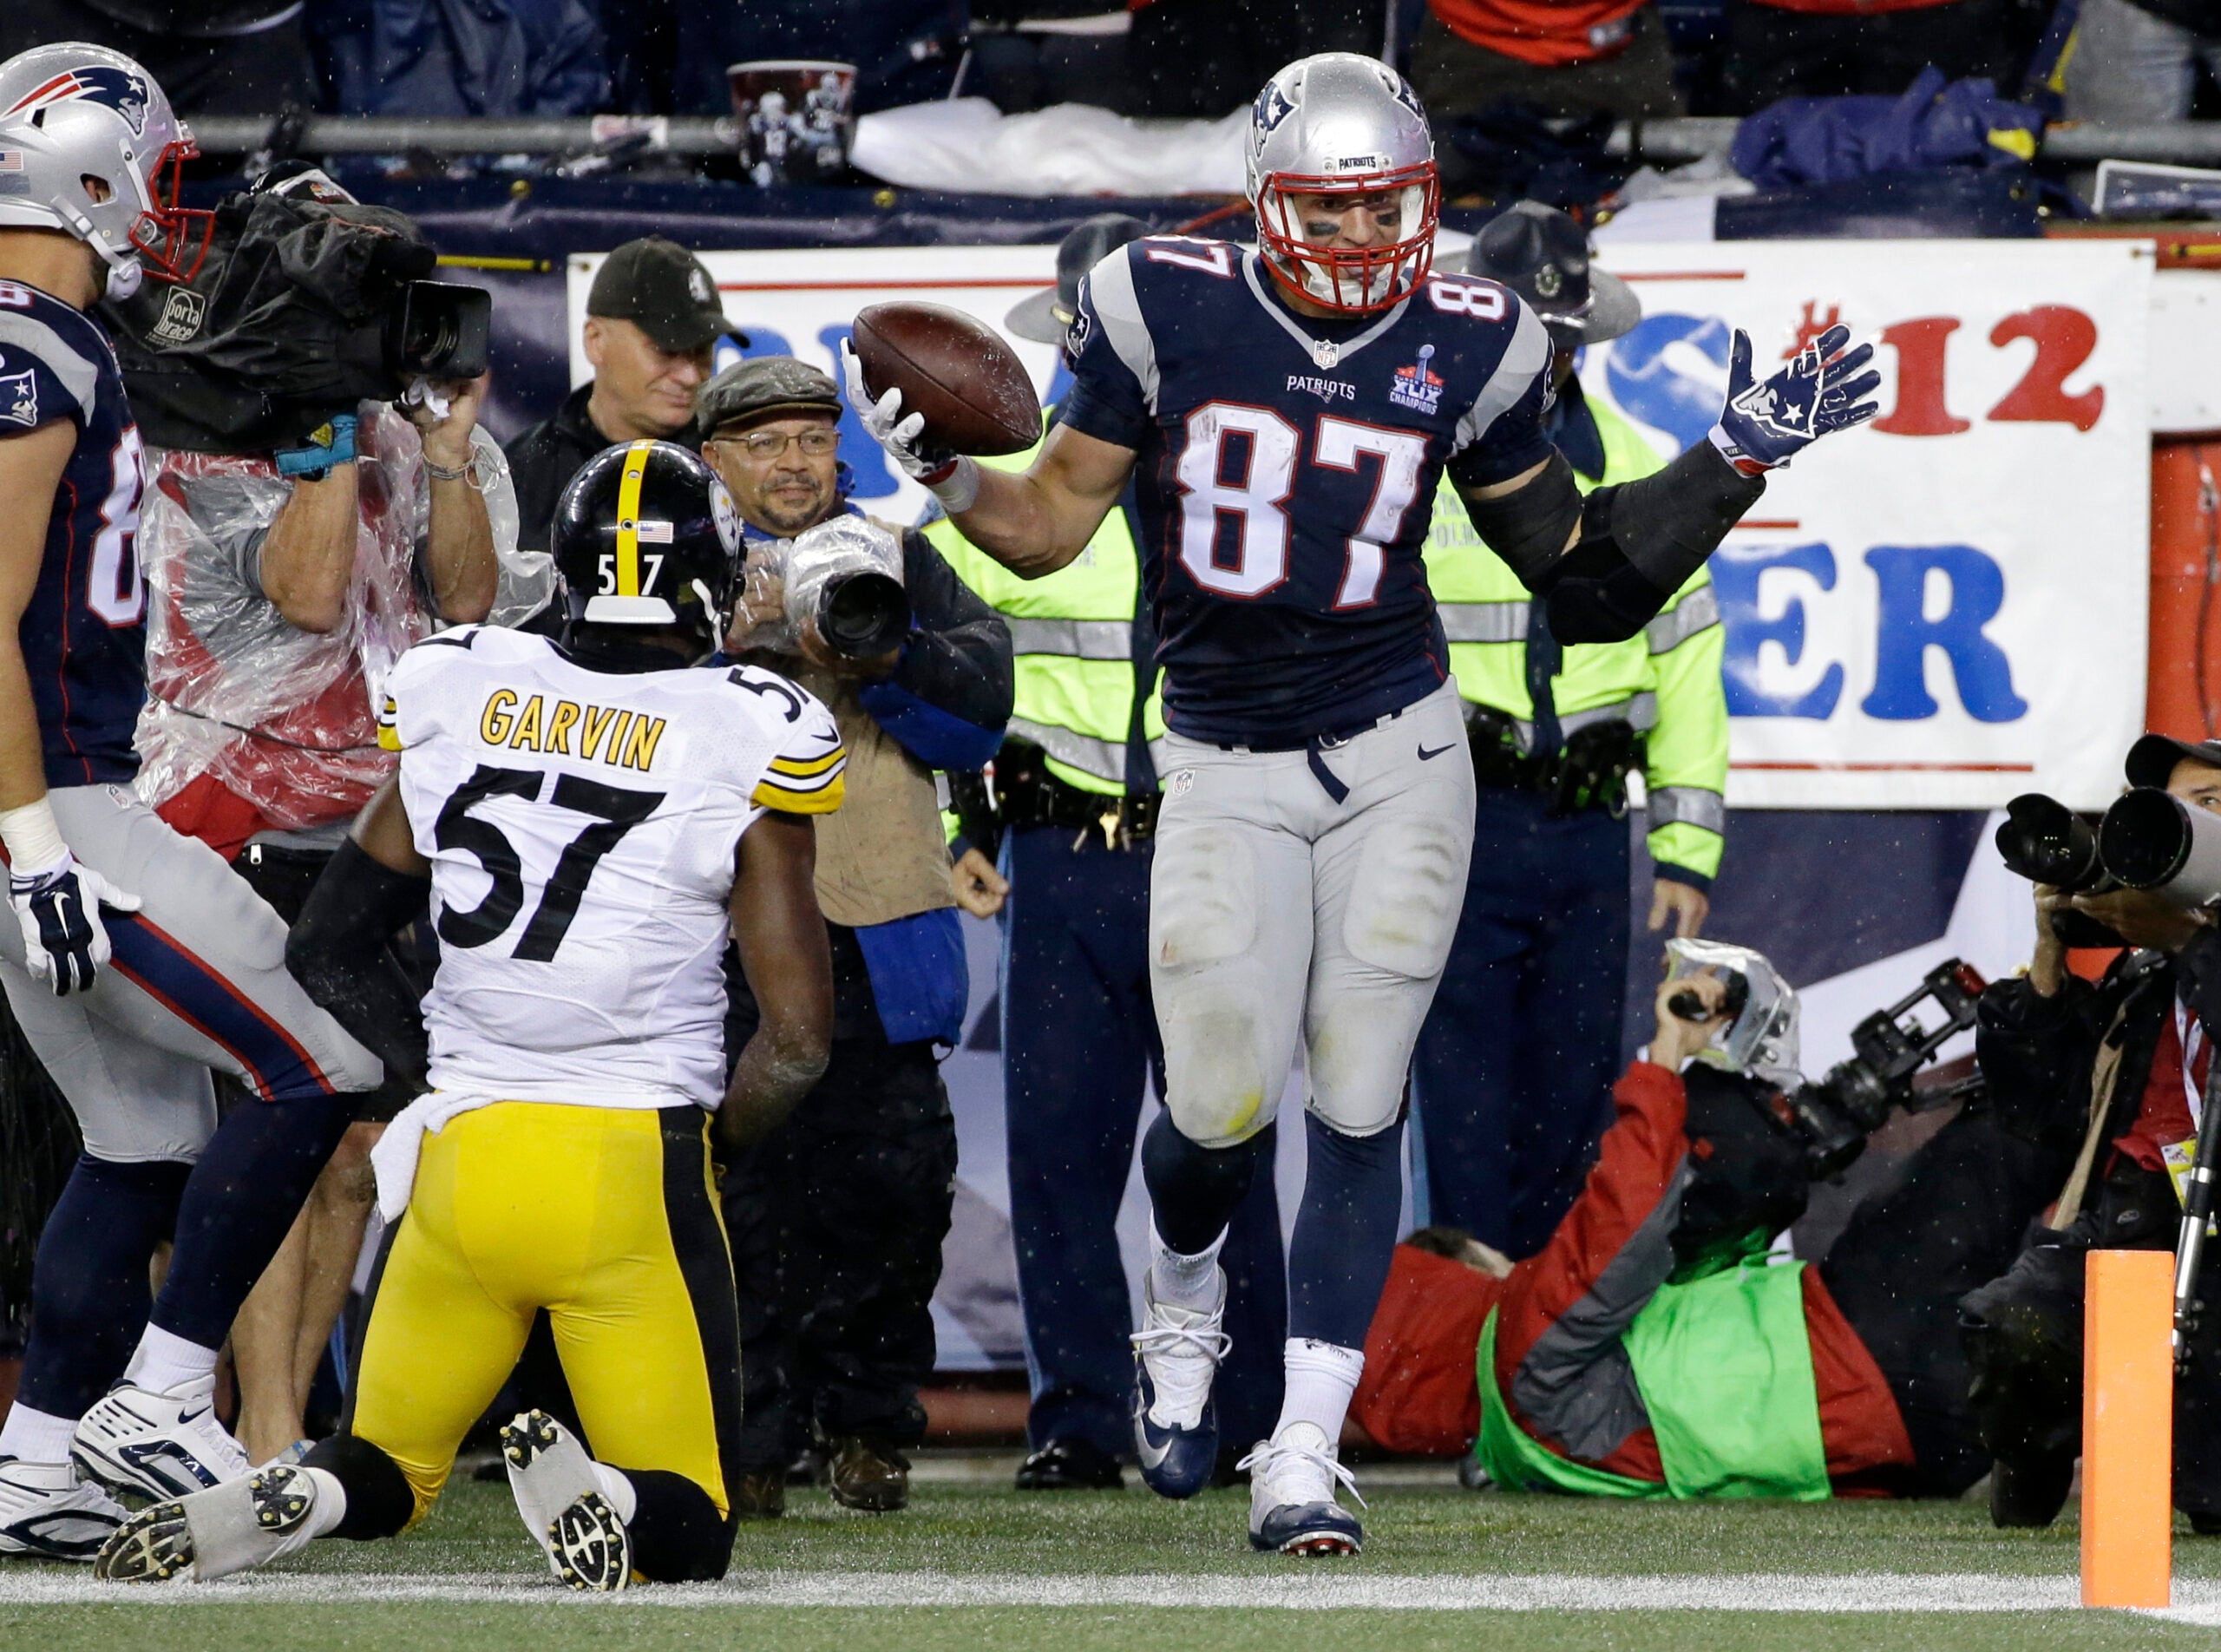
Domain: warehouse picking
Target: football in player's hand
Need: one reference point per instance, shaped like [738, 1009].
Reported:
[975, 394]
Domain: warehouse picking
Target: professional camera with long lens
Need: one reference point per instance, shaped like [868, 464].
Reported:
[307, 302]
[2152, 840]
[2045, 841]
[1834, 1116]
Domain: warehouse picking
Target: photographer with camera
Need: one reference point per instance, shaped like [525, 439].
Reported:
[837, 1214]
[2118, 1068]
[285, 581]
[1655, 1346]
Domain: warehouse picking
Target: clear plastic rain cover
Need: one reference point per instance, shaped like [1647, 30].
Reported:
[286, 719]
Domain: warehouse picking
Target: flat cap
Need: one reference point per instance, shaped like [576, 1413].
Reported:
[765, 387]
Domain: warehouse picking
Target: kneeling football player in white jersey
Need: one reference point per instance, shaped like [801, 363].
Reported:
[593, 815]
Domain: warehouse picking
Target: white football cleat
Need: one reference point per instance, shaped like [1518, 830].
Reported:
[48, 1511]
[561, 1499]
[1176, 1354]
[1292, 1498]
[158, 1445]
[212, 1534]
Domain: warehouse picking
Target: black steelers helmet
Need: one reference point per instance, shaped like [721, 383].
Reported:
[645, 534]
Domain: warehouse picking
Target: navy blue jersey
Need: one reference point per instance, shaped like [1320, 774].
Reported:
[1286, 475]
[84, 634]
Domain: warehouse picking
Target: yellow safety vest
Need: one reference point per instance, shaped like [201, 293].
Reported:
[1665, 683]
[1074, 635]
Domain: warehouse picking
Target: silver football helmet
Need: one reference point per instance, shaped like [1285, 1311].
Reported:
[89, 145]
[1337, 124]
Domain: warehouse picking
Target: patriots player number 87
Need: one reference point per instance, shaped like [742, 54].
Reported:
[1285, 414]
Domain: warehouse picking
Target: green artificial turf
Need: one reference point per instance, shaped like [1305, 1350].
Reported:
[1432, 1534]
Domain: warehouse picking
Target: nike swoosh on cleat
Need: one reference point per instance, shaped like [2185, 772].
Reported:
[1152, 1455]
[1426, 756]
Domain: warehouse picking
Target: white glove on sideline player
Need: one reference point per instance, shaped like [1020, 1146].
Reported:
[955, 482]
[58, 907]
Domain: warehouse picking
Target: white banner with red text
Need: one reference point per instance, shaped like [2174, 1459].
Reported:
[1939, 611]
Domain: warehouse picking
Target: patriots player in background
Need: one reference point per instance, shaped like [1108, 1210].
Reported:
[138, 960]
[1285, 414]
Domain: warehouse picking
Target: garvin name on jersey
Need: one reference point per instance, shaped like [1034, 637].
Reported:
[619, 737]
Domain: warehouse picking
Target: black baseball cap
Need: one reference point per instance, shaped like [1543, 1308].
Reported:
[1543, 255]
[1044, 317]
[764, 387]
[663, 289]
[2152, 758]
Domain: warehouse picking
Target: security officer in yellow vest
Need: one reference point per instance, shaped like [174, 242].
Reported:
[1073, 797]
[1514, 1068]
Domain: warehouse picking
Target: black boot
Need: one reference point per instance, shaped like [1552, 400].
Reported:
[2028, 1491]
[1070, 1464]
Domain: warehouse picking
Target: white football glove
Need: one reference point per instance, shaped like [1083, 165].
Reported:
[955, 482]
[59, 909]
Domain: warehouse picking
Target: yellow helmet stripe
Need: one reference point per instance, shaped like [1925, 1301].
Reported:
[628, 519]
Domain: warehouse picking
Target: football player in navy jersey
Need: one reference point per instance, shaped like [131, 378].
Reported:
[1284, 414]
[137, 961]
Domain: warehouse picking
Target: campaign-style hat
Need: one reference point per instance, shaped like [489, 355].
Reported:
[1043, 317]
[1543, 255]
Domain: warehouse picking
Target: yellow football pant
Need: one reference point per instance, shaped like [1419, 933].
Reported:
[607, 1219]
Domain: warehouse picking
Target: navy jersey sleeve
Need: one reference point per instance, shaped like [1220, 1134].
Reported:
[1501, 435]
[42, 377]
[1113, 395]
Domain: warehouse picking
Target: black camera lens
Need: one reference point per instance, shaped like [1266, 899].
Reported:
[863, 614]
[439, 330]
[2043, 840]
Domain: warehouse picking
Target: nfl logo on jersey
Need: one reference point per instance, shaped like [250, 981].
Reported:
[1418, 387]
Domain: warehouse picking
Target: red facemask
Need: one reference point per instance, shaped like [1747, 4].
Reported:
[1352, 280]
[172, 241]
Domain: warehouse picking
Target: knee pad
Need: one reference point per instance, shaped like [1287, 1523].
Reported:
[1209, 992]
[677, 1535]
[380, 1501]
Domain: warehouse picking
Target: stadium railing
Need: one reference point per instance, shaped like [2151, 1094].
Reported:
[2181, 142]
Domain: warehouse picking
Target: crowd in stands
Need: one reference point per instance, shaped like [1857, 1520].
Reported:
[2106, 60]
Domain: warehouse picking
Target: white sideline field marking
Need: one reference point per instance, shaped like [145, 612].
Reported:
[2197, 1601]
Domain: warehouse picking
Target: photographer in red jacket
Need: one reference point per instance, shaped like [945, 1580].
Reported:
[1656, 1347]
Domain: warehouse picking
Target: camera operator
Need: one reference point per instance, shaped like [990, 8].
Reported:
[284, 585]
[837, 1214]
[1650, 1349]
[652, 316]
[2118, 1067]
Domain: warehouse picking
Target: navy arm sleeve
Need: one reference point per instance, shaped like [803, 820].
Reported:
[951, 695]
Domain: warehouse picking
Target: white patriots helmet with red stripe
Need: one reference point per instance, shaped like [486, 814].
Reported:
[89, 145]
